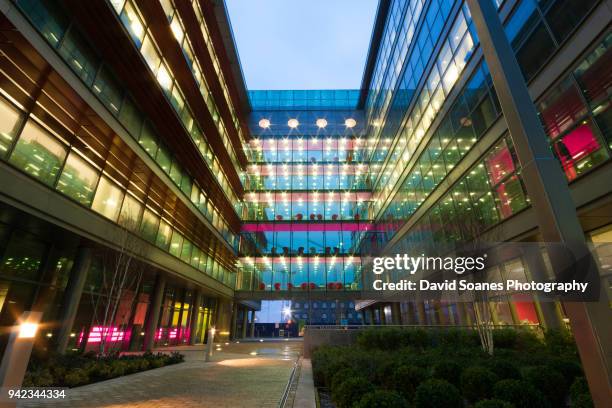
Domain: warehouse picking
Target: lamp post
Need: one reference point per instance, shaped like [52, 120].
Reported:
[17, 354]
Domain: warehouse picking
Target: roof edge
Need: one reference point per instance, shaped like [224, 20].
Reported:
[377, 32]
[225, 27]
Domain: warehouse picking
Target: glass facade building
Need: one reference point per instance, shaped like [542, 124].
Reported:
[141, 139]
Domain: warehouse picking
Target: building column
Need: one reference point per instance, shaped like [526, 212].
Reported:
[369, 316]
[193, 318]
[245, 322]
[223, 321]
[252, 334]
[421, 315]
[72, 295]
[152, 319]
[546, 308]
[234, 326]
[551, 201]
[396, 313]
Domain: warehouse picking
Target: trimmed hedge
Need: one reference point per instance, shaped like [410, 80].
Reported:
[76, 369]
[447, 368]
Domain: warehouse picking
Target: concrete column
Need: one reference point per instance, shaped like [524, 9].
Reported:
[381, 312]
[536, 269]
[153, 312]
[193, 318]
[72, 296]
[234, 326]
[421, 316]
[252, 331]
[369, 316]
[396, 313]
[551, 201]
[223, 322]
[245, 322]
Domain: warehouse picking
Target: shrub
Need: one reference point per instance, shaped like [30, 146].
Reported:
[477, 383]
[448, 371]
[175, 358]
[42, 377]
[549, 382]
[341, 376]
[407, 378]
[437, 394]
[560, 342]
[519, 393]
[493, 403]
[569, 368]
[76, 377]
[382, 399]
[503, 369]
[350, 391]
[117, 368]
[583, 401]
[100, 371]
[457, 338]
[505, 338]
[579, 387]
[419, 338]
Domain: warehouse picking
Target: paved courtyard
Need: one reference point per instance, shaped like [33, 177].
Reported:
[235, 378]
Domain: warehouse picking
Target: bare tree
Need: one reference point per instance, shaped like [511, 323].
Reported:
[121, 272]
[475, 242]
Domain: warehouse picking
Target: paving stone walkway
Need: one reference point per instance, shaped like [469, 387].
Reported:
[235, 378]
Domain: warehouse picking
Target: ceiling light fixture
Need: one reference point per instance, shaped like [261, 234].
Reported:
[293, 123]
[321, 123]
[264, 123]
[350, 123]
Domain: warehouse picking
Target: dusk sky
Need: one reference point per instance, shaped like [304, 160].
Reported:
[299, 44]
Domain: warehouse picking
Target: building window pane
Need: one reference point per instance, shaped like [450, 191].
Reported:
[176, 243]
[163, 235]
[132, 22]
[510, 197]
[38, 153]
[130, 213]
[164, 159]
[81, 58]
[148, 140]
[108, 199]
[148, 226]
[107, 90]
[47, 16]
[150, 54]
[10, 119]
[130, 117]
[78, 179]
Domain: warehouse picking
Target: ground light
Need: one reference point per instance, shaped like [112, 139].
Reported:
[18, 350]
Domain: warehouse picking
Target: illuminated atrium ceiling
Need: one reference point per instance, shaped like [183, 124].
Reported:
[296, 44]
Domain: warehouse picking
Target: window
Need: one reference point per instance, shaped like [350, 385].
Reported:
[176, 243]
[38, 153]
[149, 224]
[48, 17]
[148, 140]
[163, 235]
[133, 23]
[164, 159]
[510, 197]
[81, 58]
[10, 120]
[150, 54]
[107, 200]
[78, 179]
[107, 90]
[130, 117]
[130, 212]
